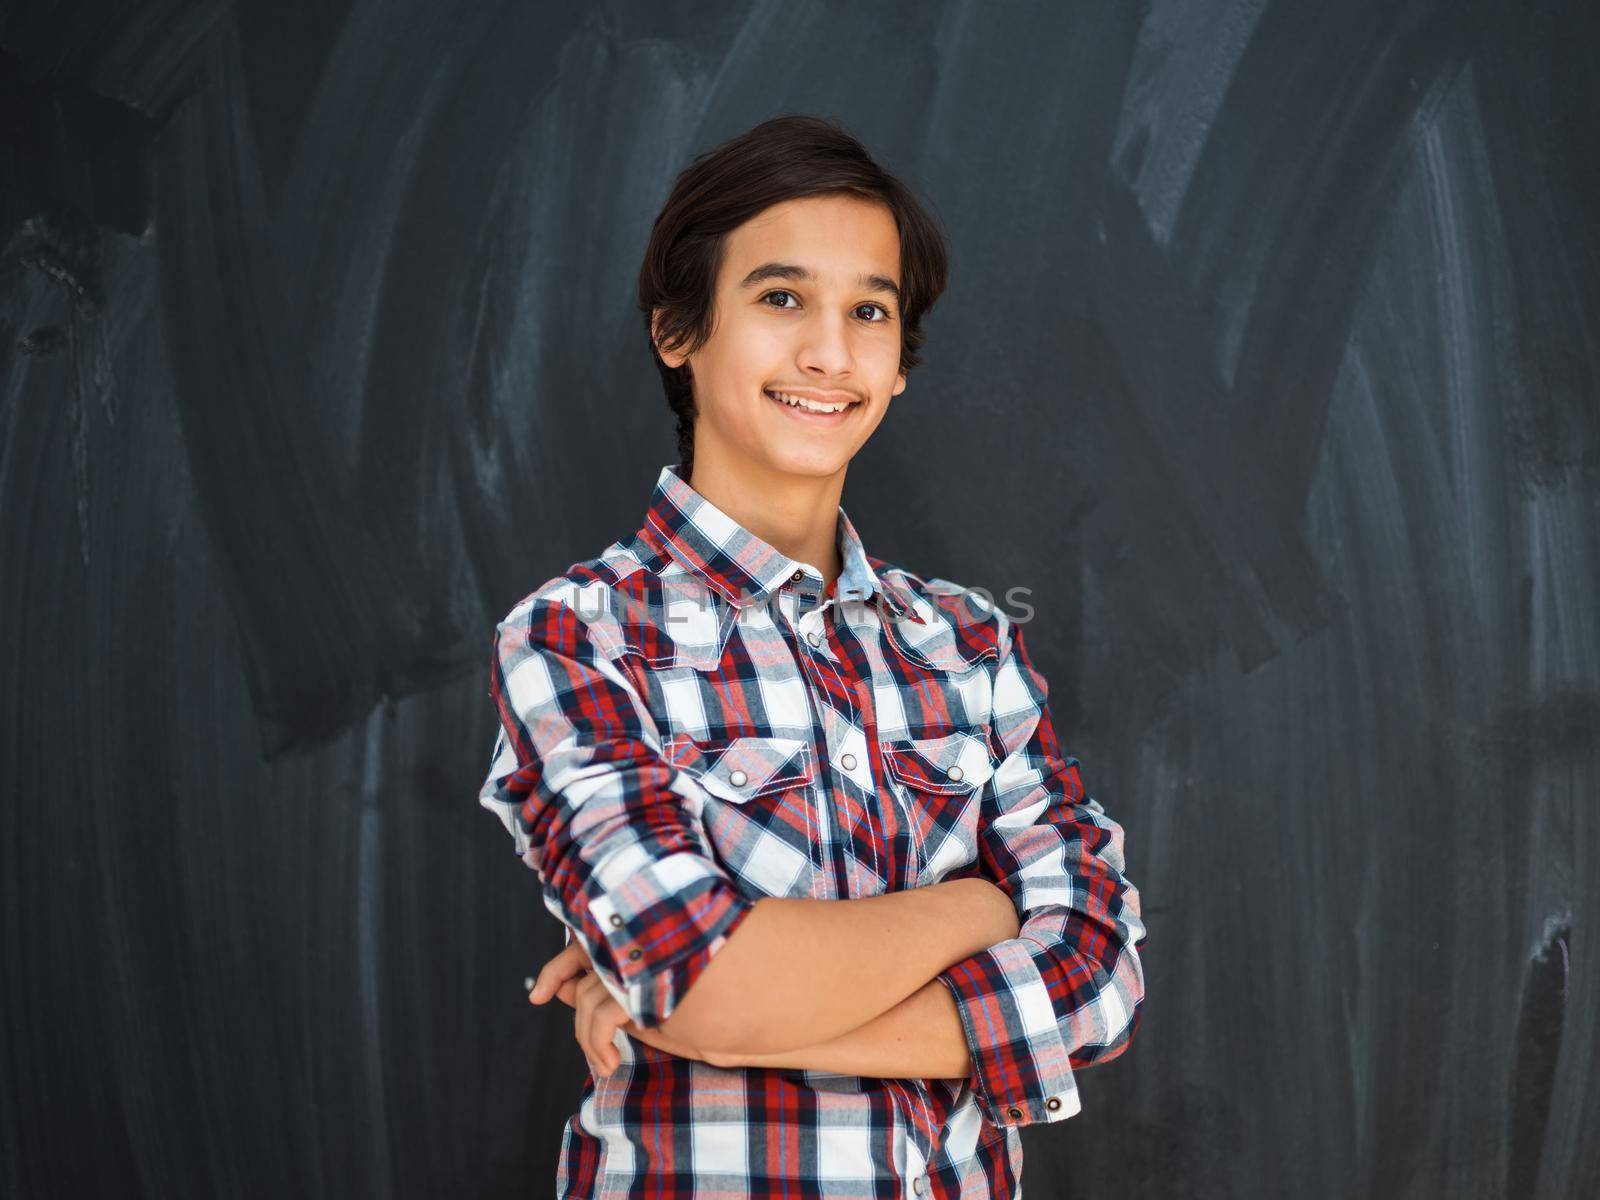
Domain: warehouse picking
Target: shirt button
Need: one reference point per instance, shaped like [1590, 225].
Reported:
[1014, 1113]
[921, 1185]
[814, 638]
[616, 920]
[1053, 1103]
[848, 762]
[738, 778]
[954, 773]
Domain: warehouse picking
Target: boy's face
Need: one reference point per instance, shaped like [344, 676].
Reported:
[821, 325]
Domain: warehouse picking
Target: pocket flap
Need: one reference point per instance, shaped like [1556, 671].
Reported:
[954, 763]
[737, 769]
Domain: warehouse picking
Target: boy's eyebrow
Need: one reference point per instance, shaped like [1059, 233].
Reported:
[781, 270]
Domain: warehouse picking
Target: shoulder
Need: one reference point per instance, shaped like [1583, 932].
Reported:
[580, 592]
[628, 599]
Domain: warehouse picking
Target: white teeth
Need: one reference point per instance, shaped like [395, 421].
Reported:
[808, 405]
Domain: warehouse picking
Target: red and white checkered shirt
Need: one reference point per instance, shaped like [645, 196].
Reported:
[688, 724]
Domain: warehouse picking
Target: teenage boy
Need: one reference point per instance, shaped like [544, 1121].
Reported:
[841, 917]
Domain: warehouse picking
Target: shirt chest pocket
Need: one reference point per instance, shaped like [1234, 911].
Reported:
[939, 784]
[760, 811]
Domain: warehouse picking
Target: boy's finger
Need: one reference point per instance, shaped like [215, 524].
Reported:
[554, 973]
[611, 1017]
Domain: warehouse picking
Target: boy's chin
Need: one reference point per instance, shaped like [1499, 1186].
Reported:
[786, 461]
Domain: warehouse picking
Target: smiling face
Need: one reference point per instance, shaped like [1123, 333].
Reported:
[806, 307]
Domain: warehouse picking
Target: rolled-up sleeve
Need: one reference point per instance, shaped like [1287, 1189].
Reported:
[609, 824]
[1066, 992]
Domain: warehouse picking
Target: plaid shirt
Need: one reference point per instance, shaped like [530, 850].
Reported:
[689, 723]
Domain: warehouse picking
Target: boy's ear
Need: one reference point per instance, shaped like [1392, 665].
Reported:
[670, 358]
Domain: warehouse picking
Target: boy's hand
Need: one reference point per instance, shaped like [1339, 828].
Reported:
[570, 977]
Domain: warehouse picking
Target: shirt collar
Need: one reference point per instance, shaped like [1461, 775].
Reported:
[742, 567]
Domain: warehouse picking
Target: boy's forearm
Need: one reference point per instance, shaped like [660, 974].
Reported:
[805, 972]
[920, 1038]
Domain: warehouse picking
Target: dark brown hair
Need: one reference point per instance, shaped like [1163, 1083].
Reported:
[782, 159]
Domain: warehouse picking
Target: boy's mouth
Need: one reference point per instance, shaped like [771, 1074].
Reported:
[829, 411]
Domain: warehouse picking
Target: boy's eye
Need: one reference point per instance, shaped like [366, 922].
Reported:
[870, 320]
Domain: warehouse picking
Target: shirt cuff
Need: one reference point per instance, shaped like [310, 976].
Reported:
[1021, 1073]
[662, 921]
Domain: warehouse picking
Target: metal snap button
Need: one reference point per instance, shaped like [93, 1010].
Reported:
[848, 761]
[616, 920]
[954, 773]
[1053, 1103]
[1014, 1113]
[797, 576]
[814, 638]
[635, 954]
[921, 1185]
[738, 778]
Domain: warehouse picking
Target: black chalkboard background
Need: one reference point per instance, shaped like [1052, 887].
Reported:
[1270, 366]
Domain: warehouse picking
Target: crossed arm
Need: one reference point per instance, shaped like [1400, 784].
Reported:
[838, 962]
[869, 1024]
[853, 986]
